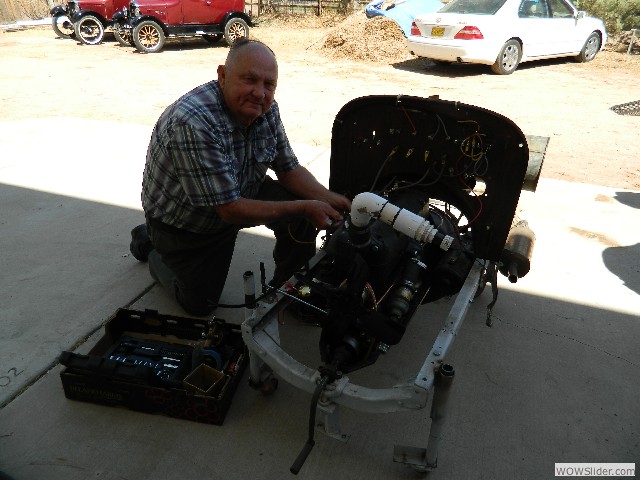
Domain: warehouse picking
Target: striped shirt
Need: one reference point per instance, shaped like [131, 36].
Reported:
[199, 157]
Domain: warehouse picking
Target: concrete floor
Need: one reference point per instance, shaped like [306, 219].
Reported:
[554, 380]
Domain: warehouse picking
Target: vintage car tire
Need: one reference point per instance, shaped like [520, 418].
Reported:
[590, 49]
[213, 38]
[62, 26]
[508, 58]
[148, 37]
[89, 30]
[123, 36]
[235, 29]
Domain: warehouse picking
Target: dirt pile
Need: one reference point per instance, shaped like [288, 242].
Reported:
[377, 39]
[620, 43]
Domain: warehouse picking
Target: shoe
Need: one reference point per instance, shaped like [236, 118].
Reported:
[140, 243]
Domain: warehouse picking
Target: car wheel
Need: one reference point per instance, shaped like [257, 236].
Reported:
[213, 38]
[123, 36]
[89, 30]
[591, 47]
[62, 26]
[148, 37]
[235, 29]
[508, 58]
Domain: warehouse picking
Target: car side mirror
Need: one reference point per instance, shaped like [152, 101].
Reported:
[580, 14]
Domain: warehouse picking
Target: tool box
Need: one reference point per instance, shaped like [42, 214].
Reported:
[181, 367]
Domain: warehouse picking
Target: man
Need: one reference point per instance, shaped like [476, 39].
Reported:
[205, 179]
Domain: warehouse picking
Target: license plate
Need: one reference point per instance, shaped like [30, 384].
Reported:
[437, 31]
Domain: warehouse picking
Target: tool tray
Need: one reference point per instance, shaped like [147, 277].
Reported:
[181, 367]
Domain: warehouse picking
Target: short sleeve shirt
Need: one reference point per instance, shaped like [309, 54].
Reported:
[199, 157]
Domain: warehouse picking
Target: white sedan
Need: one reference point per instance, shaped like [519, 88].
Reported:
[505, 33]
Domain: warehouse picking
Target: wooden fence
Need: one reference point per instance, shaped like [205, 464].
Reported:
[13, 10]
[303, 7]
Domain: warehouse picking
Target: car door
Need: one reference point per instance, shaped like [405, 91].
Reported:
[197, 12]
[550, 27]
[530, 28]
[569, 36]
[533, 27]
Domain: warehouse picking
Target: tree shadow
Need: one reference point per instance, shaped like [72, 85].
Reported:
[624, 262]
[630, 199]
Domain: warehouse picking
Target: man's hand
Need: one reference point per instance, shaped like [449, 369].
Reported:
[302, 183]
[321, 215]
[339, 202]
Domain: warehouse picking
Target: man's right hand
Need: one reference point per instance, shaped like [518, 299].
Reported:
[322, 215]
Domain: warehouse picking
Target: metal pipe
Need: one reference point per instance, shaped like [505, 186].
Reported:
[255, 362]
[441, 391]
[249, 294]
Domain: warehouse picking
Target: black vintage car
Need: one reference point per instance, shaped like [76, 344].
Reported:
[61, 18]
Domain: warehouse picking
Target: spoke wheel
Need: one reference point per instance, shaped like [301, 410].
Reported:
[590, 49]
[508, 58]
[89, 30]
[123, 35]
[235, 29]
[148, 37]
[62, 26]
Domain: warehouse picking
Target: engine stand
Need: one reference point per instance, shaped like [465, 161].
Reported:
[268, 358]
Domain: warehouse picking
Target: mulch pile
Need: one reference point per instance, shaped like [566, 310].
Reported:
[377, 39]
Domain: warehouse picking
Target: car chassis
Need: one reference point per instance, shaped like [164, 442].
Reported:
[364, 133]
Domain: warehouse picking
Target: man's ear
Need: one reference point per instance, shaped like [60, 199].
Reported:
[221, 75]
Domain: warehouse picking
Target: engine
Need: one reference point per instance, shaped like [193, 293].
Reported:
[435, 186]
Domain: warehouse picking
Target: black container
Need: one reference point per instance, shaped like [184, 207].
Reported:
[146, 361]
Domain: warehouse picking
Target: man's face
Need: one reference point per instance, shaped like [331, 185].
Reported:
[249, 83]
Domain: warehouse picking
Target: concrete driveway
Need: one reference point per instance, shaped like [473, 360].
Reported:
[554, 380]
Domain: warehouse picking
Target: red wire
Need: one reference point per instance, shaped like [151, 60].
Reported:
[410, 122]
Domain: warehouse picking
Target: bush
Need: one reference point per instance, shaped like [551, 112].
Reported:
[618, 15]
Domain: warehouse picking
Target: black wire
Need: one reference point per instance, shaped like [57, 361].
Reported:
[306, 449]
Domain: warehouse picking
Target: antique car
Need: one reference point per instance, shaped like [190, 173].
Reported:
[94, 16]
[148, 23]
[61, 18]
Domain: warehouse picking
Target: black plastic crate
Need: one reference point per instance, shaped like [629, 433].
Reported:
[181, 367]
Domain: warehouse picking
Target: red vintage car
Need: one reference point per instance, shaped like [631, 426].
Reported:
[93, 17]
[147, 23]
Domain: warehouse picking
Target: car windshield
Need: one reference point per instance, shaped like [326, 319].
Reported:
[481, 7]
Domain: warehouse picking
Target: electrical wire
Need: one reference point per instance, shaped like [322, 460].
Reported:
[406, 114]
[301, 241]
[386, 160]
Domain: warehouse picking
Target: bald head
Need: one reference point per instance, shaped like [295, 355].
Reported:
[248, 80]
[245, 46]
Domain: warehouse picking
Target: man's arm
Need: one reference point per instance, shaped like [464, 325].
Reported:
[322, 207]
[260, 212]
[303, 184]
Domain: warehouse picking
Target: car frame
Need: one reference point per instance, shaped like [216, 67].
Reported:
[147, 23]
[507, 37]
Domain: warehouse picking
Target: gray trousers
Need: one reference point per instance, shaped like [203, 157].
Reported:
[193, 267]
